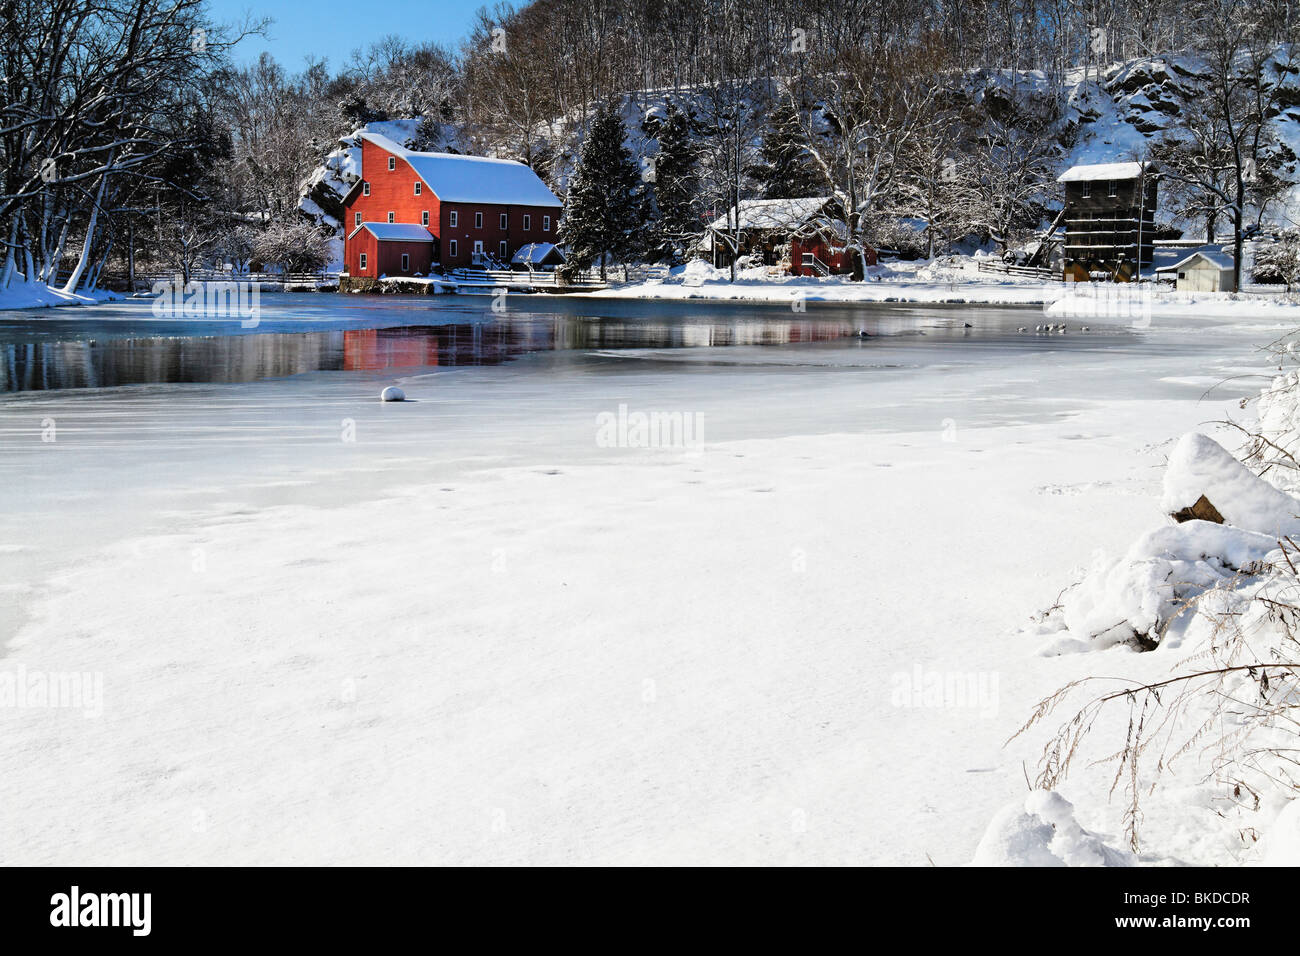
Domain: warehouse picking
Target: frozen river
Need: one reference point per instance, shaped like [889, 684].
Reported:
[476, 632]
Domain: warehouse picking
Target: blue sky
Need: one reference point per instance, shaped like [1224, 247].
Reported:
[334, 28]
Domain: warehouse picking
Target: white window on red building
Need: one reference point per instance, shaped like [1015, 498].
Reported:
[357, 219]
[392, 162]
[365, 189]
[451, 247]
[424, 218]
[417, 187]
[504, 221]
[503, 249]
[478, 220]
[392, 217]
[451, 218]
[528, 222]
[406, 262]
[361, 263]
[546, 224]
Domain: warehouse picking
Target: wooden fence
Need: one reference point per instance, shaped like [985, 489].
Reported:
[146, 280]
[1006, 268]
[509, 278]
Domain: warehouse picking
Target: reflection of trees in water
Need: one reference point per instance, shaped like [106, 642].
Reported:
[218, 358]
[245, 358]
[614, 333]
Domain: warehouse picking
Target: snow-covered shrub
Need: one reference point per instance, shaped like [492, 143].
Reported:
[1278, 260]
[1221, 582]
[294, 246]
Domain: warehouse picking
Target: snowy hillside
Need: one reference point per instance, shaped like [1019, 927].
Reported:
[1112, 117]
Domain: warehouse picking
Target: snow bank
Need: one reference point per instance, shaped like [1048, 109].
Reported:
[957, 279]
[1042, 831]
[34, 295]
[953, 279]
[1282, 841]
[1207, 591]
[1140, 595]
[1201, 466]
[1279, 419]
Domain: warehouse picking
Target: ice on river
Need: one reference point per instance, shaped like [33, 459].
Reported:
[468, 628]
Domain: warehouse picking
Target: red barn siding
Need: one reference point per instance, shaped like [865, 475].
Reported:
[390, 191]
[390, 257]
[465, 233]
[362, 242]
[837, 260]
[385, 257]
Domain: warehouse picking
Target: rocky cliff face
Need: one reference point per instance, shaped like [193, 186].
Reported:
[322, 192]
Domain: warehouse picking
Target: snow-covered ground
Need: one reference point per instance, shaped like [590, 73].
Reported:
[896, 282]
[954, 280]
[467, 629]
[34, 295]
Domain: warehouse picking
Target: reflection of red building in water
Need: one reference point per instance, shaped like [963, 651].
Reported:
[430, 346]
[368, 350]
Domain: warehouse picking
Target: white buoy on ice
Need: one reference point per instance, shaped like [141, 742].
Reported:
[392, 394]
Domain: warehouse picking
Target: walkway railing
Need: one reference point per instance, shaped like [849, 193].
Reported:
[810, 261]
[511, 278]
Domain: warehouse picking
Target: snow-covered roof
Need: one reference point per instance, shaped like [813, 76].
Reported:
[1101, 171]
[395, 231]
[1220, 259]
[457, 178]
[535, 252]
[775, 214]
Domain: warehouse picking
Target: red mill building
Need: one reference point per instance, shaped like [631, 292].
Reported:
[412, 211]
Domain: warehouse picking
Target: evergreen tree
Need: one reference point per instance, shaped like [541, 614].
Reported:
[603, 214]
[783, 170]
[676, 188]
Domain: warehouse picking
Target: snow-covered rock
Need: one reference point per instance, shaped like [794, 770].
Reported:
[1201, 466]
[1042, 831]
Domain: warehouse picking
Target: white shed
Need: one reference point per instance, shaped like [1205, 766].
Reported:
[1201, 272]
